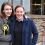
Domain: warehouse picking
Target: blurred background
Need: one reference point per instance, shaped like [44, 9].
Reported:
[34, 9]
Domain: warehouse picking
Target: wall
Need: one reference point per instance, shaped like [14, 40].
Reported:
[40, 24]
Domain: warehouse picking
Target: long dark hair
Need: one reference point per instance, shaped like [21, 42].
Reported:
[2, 8]
[18, 7]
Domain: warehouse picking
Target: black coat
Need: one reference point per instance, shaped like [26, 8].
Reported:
[29, 28]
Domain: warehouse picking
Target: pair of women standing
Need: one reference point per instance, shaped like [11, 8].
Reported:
[20, 27]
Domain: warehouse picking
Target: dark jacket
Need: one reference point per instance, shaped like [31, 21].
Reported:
[29, 28]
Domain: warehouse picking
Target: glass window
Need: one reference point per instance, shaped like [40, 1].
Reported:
[16, 2]
[26, 4]
[44, 0]
[38, 7]
[36, 1]
[44, 7]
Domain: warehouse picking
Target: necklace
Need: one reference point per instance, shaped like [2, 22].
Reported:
[5, 26]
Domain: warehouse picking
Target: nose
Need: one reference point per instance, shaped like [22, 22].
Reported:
[19, 13]
[9, 10]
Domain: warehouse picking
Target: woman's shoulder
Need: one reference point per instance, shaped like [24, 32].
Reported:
[28, 18]
[11, 17]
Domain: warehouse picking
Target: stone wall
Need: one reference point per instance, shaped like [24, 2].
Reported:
[40, 24]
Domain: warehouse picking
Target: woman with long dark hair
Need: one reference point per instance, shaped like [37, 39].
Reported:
[6, 13]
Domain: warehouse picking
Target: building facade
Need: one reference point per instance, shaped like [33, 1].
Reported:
[31, 6]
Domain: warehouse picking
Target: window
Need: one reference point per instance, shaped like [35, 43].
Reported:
[25, 3]
[16, 2]
[38, 7]
[44, 7]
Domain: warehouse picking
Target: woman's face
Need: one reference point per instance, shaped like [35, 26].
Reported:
[19, 12]
[7, 10]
